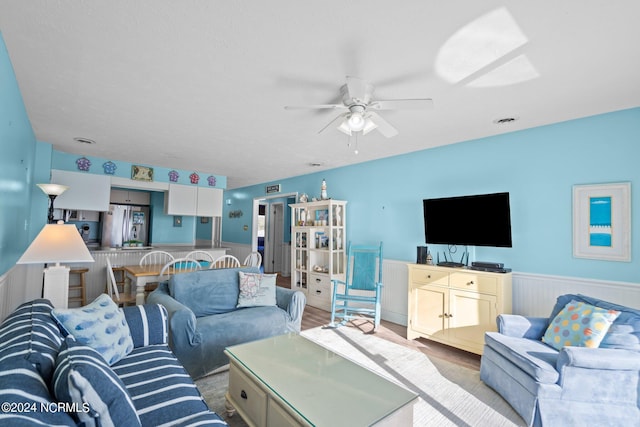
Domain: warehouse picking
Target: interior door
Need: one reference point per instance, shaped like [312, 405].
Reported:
[274, 238]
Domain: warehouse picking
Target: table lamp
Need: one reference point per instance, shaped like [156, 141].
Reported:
[57, 243]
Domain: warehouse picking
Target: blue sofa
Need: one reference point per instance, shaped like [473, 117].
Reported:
[573, 386]
[204, 318]
[49, 379]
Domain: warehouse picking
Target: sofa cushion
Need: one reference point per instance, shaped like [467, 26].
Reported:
[147, 324]
[26, 393]
[624, 333]
[30, 332]
[82, 378]
[534, 357]
[161, 390]
[100, 325]
[580, 325]
[256, 289]
[208, 292]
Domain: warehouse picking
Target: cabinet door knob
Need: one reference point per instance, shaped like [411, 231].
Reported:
[318, 280]
[428, 276]
[470, 283]
[318, 291]
[243, 394]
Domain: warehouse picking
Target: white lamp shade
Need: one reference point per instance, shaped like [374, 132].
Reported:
[57, 243]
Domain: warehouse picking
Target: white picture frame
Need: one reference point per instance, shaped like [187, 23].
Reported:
[602, 221]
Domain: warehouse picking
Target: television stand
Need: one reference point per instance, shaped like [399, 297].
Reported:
[450, 264]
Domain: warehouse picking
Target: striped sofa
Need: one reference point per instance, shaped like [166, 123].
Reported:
[49, 379]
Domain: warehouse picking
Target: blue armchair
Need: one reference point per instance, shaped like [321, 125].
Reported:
[572, 386]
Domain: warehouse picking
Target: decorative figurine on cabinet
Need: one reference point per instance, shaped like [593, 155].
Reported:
[323, 190]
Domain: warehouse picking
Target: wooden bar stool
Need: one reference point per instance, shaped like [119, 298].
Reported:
[78, 288]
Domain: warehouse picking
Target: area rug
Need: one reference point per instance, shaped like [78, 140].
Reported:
[449, 394]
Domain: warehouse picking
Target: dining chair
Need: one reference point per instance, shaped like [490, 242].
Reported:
[254, 259]
[225, 261]
[121, 299]
[156, 257]
[204, 258]
[362, 286]
[179, 265]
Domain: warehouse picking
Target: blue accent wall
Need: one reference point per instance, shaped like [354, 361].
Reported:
[537, 166]
[23, 163]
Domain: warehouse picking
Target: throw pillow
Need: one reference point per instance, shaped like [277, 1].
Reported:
[83, 380]
[580, 325]
[25, 397]
[100, 325]
[256, 289]
[31, 333]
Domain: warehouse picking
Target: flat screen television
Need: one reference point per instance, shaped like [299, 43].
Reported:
[478, 220]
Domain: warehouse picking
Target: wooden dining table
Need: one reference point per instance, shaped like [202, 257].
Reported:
[139, 275]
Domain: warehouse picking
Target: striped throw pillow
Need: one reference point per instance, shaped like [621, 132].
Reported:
[83, 379]
[25, 397]
[31, 333]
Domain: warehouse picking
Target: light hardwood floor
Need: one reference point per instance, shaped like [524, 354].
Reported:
[314, 317]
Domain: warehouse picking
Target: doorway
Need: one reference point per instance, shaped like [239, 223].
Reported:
[271, 227]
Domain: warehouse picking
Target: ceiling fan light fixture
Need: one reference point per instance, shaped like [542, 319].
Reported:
[356, 121]
[344, 127]
[368, 126]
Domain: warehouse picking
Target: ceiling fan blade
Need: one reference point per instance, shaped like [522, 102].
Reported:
[340, 117]
[315, 107]
[402, 104]
[357, 89]
[383, 126]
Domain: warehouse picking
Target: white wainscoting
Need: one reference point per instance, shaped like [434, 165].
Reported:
[533, 294]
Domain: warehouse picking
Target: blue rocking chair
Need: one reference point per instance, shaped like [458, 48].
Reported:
[359, 295]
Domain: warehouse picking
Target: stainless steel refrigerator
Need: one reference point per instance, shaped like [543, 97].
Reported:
[125, 223]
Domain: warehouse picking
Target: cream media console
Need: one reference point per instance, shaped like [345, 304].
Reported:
[456, 306]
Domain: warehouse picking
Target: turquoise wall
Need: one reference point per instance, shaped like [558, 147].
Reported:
[23, 163]
[538, 167]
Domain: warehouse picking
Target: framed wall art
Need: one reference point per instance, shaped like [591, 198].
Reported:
[141, 173]
[602, 221]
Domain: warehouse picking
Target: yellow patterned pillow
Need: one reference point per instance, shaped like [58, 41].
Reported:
[579, 325]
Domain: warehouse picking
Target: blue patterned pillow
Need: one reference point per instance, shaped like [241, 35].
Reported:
[84, 380]
[256, 289]
[30, 332]
[100, 325]
[26, 393]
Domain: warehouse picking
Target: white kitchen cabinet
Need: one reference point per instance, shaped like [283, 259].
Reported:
[193, 201]
[86, 191]
[181, 200]
[130, 197]
[209, 202]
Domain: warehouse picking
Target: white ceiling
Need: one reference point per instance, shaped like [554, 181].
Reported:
[201, 84]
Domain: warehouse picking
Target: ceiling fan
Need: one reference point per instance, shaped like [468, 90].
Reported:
[361, 107]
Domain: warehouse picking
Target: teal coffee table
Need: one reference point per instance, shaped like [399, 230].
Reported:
[289, 380]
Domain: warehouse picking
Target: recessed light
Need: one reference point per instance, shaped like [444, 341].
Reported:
[316, 164]
[505, 120]
[84, 140]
